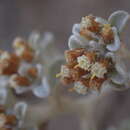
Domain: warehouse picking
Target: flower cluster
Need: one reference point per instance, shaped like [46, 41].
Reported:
[86, 69]
[91, 59]
[91, 28]
[20, 69]
[7, 121]
[104, 33]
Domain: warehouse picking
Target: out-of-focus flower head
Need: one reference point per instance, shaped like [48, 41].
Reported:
[23, 69]
[12, 118]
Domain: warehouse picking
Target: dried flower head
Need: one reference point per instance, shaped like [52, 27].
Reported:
[71, 55]
[7, 121]
[98, 70]
[104, 32]
[17, 80]
[91, 56]
[84, 62]
[87, 71]
[107, 34]
[32, 72]
[23, 50]
[89, 23]
[9, 63]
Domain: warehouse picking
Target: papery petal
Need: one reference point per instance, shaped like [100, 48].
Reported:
[40, 42]
[3, 95]
[40, 70]
[119, 19]
[76, 31]
[106, 86]
[118, 79]
[101, 20]
[4, 81]
[111, 55]
[43, 90]
[116, 44]
[73, 42]
[96, 46]
[20, 109]
[23, 89]
[34, 39]
[121, 69]
[23, 68]
[47, 39]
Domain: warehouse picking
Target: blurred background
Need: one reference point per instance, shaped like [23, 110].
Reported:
[20, 17]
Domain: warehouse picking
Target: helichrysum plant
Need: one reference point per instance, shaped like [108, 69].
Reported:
[91, 61]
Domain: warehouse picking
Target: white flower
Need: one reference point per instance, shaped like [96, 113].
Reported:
[80, 88]
[98, 70]
[84, 62]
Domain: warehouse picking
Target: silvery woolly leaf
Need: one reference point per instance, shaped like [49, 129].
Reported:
[43, 90]
[3, 95]
[119, 19]
[73, 42]
[116, 44]
[20, 110]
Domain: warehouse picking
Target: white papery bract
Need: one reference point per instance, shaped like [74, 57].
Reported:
[104, 36]
[117, 20]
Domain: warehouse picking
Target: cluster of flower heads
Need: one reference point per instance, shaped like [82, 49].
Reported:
[12, 118]
[20, 69]
[88, 69]
[7, 121]
[91, 58]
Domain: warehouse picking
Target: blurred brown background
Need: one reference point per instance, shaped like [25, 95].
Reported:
[20, 17]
